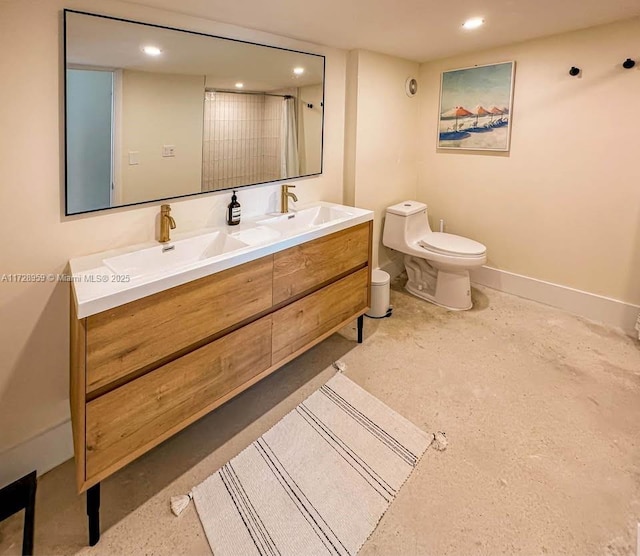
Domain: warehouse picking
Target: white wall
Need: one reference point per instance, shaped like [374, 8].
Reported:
[381, 148]
[161, 109]
[564, 205]
[310, 128]
[37, 238]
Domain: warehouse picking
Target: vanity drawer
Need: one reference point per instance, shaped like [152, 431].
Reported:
[143, 332]
[305, 266]
[300, 323]
[126, 422]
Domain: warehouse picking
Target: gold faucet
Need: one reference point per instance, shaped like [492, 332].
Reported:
[284, 198]
[166, 223]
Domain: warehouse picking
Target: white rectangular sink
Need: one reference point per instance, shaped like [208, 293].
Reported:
[105, 280]
[306, 219]
[173, 255]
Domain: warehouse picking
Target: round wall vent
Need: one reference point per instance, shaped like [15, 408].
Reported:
[411, 86]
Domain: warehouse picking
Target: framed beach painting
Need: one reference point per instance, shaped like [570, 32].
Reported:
[475, 108]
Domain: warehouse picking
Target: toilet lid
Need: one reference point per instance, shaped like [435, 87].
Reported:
[450, 243]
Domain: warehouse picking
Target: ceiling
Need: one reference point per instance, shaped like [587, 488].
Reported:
[419, 30]
[103, 42]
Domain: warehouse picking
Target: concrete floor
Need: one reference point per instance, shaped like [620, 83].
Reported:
[541, 410]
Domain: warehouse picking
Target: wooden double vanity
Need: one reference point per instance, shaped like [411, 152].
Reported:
[145, 369]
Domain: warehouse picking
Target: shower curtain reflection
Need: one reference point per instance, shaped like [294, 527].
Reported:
[289, 165]
[248, 138]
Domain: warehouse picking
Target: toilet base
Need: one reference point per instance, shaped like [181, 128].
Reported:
[451, 289]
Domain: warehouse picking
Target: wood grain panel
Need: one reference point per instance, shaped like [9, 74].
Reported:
[140, 333]
[300, 268]
[300, 323]
[77, 354]
[370, 262]
[134, 417]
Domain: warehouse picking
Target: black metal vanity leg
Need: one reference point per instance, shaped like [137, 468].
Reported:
[29, 515]
[93, 513]
[360, 327]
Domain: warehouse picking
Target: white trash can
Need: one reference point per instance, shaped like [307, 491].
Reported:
[380, 281]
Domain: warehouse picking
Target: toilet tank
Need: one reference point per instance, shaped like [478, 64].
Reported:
[405, 223]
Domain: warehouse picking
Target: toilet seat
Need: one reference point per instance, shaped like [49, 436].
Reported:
[450, 244]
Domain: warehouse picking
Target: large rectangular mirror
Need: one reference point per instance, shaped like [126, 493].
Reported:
[154, 113]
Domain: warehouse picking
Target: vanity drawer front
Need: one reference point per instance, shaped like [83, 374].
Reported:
[143, 332]
[300, 323]
[128, 421]
[300, 268]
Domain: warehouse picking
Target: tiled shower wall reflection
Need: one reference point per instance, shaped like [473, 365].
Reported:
[242, 138]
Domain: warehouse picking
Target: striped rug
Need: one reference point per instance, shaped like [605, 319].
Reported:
[318, 482]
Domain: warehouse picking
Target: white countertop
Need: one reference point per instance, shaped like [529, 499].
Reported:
[96, 288]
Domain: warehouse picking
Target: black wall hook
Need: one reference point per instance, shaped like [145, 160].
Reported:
[628, 63]
[574, 71]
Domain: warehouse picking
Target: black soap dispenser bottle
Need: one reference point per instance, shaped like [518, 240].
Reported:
[233, 211]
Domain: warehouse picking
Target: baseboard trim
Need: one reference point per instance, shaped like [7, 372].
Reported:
[589, 305]
[393, 268]
[43, 452]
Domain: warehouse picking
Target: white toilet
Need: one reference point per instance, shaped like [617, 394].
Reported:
[437, 263]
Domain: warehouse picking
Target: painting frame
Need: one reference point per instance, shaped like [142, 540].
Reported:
[476, 128]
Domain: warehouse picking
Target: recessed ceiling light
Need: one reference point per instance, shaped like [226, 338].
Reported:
[298, 71]
[473, 23]
[151, 50]
[239, 85]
